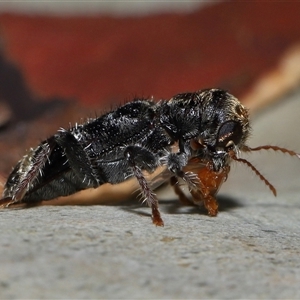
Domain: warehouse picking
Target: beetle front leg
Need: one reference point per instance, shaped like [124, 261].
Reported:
[140, 158]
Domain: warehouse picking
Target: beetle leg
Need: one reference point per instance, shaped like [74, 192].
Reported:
[134, 155]
[175, 163]
[178, 191]
[25, 174]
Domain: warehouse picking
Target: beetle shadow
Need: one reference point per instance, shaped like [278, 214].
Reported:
[226, 203]
[174, 206]
[168, 206]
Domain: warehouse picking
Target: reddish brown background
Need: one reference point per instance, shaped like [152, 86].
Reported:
[99, 59]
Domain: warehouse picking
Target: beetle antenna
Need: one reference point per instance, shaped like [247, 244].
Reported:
[270, 147]
[261, 177]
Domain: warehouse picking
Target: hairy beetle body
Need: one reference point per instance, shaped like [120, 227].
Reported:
[209, 127]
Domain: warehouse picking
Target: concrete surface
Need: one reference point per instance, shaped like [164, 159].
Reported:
[250, 250]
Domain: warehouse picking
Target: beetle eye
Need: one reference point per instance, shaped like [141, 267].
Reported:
[229, 134]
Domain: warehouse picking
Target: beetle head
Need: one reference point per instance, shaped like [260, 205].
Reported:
[224, 126]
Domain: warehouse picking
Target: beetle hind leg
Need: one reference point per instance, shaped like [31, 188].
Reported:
[25, 174]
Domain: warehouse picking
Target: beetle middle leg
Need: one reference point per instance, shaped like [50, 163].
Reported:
[176, 162]
[142, 159]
